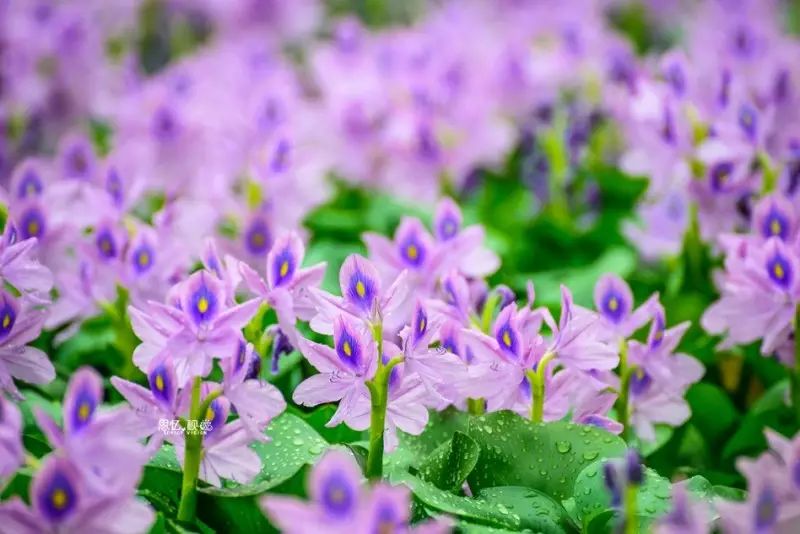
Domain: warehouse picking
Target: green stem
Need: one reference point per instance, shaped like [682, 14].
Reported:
[631, 519]
[379, 399]
[536, 380]
[770, 173]
[192, 456]
[476, 406]
[488, 312]
[623, 403]
[794, 376]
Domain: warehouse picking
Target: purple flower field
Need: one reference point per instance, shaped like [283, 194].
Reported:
[383, 266]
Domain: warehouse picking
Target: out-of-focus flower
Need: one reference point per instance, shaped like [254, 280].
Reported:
[21, 323]
[341, 503]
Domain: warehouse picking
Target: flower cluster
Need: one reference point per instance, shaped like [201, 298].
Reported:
[24, 300]
[82, 485]
[711, 123]
[759, 285]
[181, 340]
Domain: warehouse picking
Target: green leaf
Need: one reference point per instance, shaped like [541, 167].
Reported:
[412, 450]
[293, 444]
[536, 510]
[234, 507]
[712, 410]
[501, 508]
[319, 417]
[663, 435]
[543, 456]
[730, 494]
[450, 464]
[593, 498]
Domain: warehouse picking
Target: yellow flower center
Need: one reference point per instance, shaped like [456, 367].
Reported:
[202, 305]
[422, 324]
[778, 271]
[257, 239]
[347, 348]
[411, 252]
[33, 228]
[105, 245]
[284, 268]
[613, 304]
[775, 227]
[59, 498]
[6, 320]
[143, 259]
[361, 289]
[507, 338]
[84, 411]
[159, 383]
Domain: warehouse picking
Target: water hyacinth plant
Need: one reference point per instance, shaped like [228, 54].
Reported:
[453, 266]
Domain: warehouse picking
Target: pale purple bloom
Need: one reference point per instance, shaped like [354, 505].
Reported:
[95, 439]
[439, 370]
[256, 401]
[343, 369]
[578, 338]
[62, 502]
[337, 500]
[759, 290]
[613, 301]
[207, 328]
[687, 516]
[21, 323]
[19, 266]
[427, 258]
[341, 503]
[287, 284]
[11, 447]
[151, 405]
[362, 297]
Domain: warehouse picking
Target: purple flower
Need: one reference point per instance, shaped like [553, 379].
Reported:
[287, 285]
[150, 405]
[19, 267]
[440, 370]
[62, 502]
[95, 439]
[425, 258]
[578, 339]
[774, 216]
[362, 297]
[760, 290]
[337, 499]
[614, 302]
[343, 370]
[687, 516]
[20, 324]
[207, 328]
[256, 401]
[340, 503]
[11, 447]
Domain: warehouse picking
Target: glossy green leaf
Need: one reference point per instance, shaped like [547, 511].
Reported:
[546, 456]
[412, 450]
[450, 464]
[512, 509]
[293, 444]
[592, 497]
